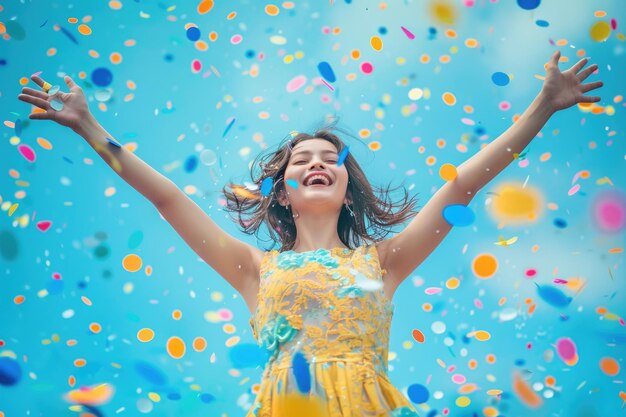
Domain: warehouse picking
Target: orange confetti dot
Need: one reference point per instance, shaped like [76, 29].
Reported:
[175, 347]
[491, 358]
[449, 98]
[418, 336]
[447, 172]
[525, 392]
[145, 334]
[84, 30]
[199, 344]
[132, 263]
[19, 299]
[79, 363]
[231, 15]
[482, 335]
[609, 366]
[484, 266]
[355, 54]
[71, 381]
[375, 145]
[86, 300]
[376, 43]
[205, 6]
[95, 328]
[177, 314]
[115, 5]
[115, 58]
[272, 10]
[622, 395]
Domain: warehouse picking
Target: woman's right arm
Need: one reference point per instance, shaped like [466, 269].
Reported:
[234, 260]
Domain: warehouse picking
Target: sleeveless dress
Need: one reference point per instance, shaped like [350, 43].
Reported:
[324, 320]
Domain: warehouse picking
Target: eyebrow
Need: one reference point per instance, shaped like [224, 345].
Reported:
[309, 152]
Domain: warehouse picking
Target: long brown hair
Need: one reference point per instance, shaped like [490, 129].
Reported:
[350, 228]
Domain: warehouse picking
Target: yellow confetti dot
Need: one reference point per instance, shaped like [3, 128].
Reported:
[154, 397]
[463, 401]
[272, 10]
[376, 43]
[453, 283]
[443, 12]
[145, 335]
[84, 30]
[132, 263]
[175, 347]
[484, 266]
[600, 31]
[447, 172]
[449, 98]
[205, 6]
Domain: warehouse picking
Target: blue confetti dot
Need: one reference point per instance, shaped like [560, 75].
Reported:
[418, 393]
[266, 186]
[193, 33]
[500, 78]
[3, 62]
[169, 57]
[206, 398]
[81, 284]
[101, 77]
[327, 72]
[553, 296]
[528, 4]
[458, 215]
[301, 372]
[480, 130]
[382, 30]
[10, 371]
[174, 396]
[542, 23]
[520, 362]
[151, 373]
[343, 155]
[560, 223]
[250, 53]
[191, 163]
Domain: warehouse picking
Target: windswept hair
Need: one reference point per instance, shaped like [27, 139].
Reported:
[352, 230]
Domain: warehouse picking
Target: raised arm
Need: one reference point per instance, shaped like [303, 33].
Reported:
[404, 252]
[236, 261]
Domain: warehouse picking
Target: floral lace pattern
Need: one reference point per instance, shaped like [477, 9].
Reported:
[327, 304]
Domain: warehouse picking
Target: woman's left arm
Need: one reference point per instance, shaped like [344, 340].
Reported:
[560, 90]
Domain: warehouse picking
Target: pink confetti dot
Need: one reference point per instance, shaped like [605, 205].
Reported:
[610, 213]
[504, 105]
[27, 152]
[196, 66]
[225, 314]
[326, 30]
[531, 272]
[566, 348]
[296, 83]
[236, 39]
[44, 225]
[367, 68]
[432, 290]
[56, 276]
[458, 379]
[407, 33]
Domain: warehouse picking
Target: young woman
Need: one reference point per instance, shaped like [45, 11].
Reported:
[321, 305]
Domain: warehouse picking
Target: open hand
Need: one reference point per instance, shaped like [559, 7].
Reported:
[564, 89]
[74, 109]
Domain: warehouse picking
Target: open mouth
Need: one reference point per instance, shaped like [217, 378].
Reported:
[318, 181]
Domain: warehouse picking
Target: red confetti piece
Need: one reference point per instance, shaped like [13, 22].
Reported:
[44, 225]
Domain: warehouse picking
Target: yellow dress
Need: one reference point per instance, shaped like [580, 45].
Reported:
[324, 320]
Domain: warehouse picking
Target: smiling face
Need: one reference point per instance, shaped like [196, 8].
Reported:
[310, 156]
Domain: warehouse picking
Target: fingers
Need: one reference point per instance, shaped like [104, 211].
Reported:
[36, 101]
[587, 72]
[554, 60]
[70, 83]
[589, 99]
[37, 80]
[577, 66]
[36, 93]
[40, 116]
[591, 86]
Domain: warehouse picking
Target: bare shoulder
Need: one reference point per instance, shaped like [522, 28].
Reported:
[382, 248]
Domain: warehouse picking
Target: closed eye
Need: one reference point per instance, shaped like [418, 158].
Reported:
[329, 161]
